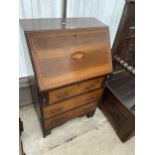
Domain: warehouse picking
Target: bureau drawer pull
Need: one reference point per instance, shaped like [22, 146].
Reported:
[55, 121]
[56, 111]
[90, 87]
[92, 99]
[62, 96]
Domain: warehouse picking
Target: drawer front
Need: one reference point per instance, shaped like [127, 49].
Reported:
[59, 119]
[57, 108]
[69, 91]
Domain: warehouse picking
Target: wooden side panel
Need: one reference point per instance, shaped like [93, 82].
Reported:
[124, 44]
[57, 120]
[121, 119]
[127, 20]
[63, 93]
[55, 109]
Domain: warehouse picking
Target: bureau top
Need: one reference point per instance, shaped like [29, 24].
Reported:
[59, 23]
[65, 55]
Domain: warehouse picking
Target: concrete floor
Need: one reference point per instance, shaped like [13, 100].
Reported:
[80, 136]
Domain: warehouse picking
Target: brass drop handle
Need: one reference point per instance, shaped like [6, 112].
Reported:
[92, 99]
[54, 122]
[90, 87]
[56, 111]
[62, 96]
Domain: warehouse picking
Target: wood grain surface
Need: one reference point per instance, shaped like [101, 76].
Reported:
[72, 90]
[52, 55]
[58, 108]
[59, 24]
[59, 119]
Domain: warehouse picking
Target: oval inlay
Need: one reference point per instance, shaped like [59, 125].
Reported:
[78, 55]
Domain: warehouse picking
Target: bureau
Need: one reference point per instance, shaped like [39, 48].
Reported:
[70, 59]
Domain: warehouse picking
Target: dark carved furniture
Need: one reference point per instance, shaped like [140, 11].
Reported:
[70, 59]
[21, 129]
[118, 102]
[124, 43]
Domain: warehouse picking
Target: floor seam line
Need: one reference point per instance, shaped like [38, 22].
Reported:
[73, 138]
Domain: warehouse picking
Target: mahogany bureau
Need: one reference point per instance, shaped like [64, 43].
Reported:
[70, 58]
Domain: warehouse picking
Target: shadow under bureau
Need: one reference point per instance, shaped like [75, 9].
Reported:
[70, 58]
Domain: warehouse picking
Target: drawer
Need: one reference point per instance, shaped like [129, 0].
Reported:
[75, 89]
[59, 119]
[57, 108]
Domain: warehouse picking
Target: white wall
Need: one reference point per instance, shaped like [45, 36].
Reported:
[107, 11]
[34, 9]
[40, 8]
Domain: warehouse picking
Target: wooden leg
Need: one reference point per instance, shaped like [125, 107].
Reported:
[46, 132]
[90, 114]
